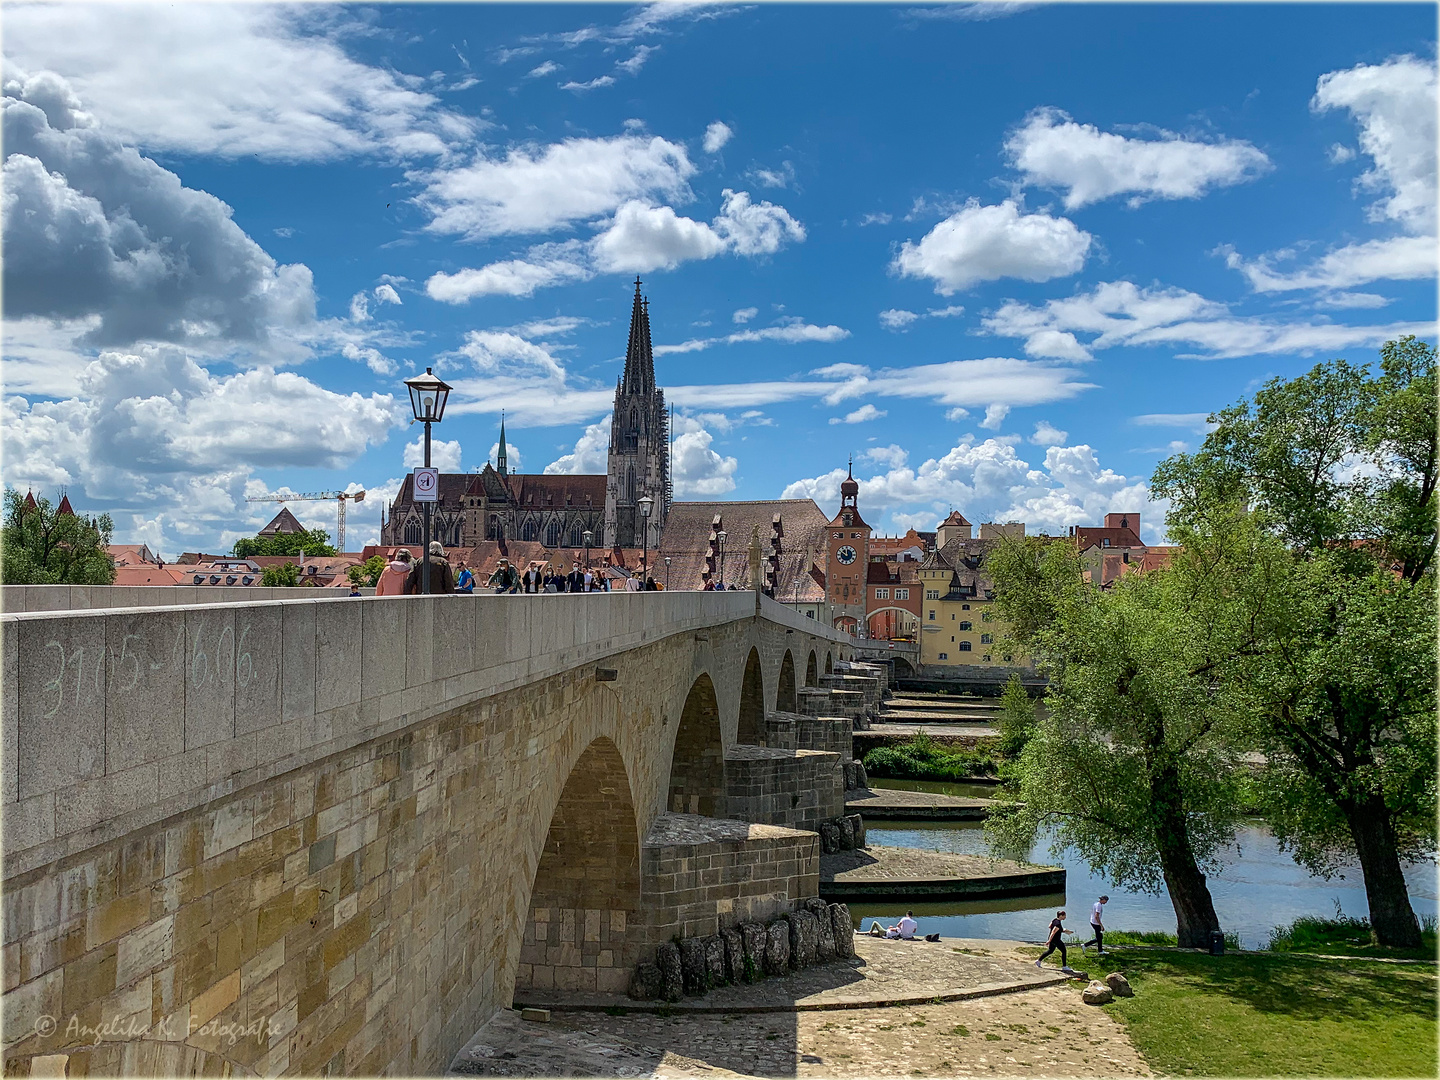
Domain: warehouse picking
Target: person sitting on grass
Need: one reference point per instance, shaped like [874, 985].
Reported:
[1057, 928]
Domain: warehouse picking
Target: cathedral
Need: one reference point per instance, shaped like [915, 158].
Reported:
[555, 509]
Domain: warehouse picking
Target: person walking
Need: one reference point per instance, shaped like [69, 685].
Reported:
[533, 581]
[575, 582]
[464, 580]
[632, 583]
[1057, 928]
[505, 579]
[1097, 924]
[442, 578]
[393, 578]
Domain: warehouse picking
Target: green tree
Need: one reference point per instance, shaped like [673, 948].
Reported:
[285, 575]
[366, 574]
[1334, 476]
[313, 542]
[39, 546]
[1017, 717]
[1134, 765]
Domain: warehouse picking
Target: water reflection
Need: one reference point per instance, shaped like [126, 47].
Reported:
[1259, 888]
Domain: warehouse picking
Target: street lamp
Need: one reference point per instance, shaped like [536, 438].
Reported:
[646, 502]
[589, 538]
[721, 537]
[667, 573]
[797, 596]
[428, 396]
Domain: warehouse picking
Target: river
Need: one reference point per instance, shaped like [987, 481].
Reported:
[1259, 888]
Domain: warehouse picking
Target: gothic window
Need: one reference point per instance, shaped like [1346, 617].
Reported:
[552, 533]
[630, 484]
[493, 533]
[575, 535]
[529, 530]
[412, 533]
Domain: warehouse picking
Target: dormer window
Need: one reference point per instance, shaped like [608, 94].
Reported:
[199, 579]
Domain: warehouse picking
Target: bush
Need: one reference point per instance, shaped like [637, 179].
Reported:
[922, 758]
[1017, 718]
[1159, 937]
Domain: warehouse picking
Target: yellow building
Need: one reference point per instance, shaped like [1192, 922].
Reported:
[958, 622]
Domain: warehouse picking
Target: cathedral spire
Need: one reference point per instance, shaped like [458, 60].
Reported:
[639, 377]
[500, 463]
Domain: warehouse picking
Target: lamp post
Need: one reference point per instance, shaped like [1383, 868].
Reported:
[797, 596]
[720, 536]
[428, 395]
[667, 573]
[589, 538]
[645, 502]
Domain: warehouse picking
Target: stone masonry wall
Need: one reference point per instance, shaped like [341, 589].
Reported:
[795, 788]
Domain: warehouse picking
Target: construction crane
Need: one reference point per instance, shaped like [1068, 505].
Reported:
[340, 497]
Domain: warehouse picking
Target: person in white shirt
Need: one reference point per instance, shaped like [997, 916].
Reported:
[1097, 924]
[632, 584]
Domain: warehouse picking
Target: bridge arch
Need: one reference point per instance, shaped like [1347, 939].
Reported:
[812, 674]
[785, 685]
[829, 664]
[750, 728]
[697, 764]
[587, 882]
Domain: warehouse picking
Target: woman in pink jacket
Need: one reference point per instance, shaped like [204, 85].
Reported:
[392, 579]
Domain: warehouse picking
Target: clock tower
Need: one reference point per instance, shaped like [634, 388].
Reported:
[849, 547]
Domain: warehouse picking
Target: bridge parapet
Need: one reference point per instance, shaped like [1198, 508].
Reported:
[346, 819]
[118, 717]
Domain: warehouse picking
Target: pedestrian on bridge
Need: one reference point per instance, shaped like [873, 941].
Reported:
[442, 578]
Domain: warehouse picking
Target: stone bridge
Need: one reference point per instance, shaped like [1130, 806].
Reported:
[336, 835]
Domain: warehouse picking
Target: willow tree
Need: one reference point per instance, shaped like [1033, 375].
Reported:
[1133, 764]
[1337, 471]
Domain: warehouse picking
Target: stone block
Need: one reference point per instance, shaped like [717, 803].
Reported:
[257, 668]
[752, 951]
[824, 938]
[10, 714]
[715, 961]
[693, 965]
[734, 955]
[672, 976]
[861, 780]
[814, 905]
[777, 948]
[829, 838]
[145, 713]
[339, 640]
[297, 660]
[453, 620]
[804, 939]
[647, 984]
[842, 930]
[847, 833]
[210, 672]
[857, 828]
[60, 735]
[383, 655]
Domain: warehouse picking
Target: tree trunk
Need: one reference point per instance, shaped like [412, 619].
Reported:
[1195, 916]
[1391, 916]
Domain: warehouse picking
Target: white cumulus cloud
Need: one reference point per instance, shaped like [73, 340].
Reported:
[642, 238]
[591, 453]
[986, 243]
[444, 455]
[700, 470]
[262, 80]
[744, 315]
[535, 189]
[1090, 165]
[860, 415]
[716, 136]
[1394, 103]
[1400, 258]
[1047, 434]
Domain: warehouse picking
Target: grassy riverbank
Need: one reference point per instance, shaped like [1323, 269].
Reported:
[925, 758]
[1276, 1014]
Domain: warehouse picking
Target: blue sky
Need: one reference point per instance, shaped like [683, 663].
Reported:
[1008, 256]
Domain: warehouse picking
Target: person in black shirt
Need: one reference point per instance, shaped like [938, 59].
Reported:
[1056, 929]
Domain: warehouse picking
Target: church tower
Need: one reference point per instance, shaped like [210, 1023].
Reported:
[848, 565]
[639, 461]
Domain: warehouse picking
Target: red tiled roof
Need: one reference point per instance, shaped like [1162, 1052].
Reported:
[1088, 536]
[149, 574]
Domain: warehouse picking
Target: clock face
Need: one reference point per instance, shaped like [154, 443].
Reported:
[846, 554]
